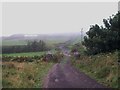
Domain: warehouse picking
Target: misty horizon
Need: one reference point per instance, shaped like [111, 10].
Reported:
[63, 33]
[53, 18]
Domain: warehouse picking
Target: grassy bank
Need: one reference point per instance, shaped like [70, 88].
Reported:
[25, 74]
[101, 67]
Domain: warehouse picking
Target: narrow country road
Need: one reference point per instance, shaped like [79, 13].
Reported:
[64, 75]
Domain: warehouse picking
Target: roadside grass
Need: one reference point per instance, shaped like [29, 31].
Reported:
[102, 67]
[25, 74]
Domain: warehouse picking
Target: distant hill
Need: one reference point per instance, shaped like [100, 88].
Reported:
[40, 36]
[20, 39]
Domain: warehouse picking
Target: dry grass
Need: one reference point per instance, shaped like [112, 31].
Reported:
[25, 74]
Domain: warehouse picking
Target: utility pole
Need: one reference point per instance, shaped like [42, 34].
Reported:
[81, 34]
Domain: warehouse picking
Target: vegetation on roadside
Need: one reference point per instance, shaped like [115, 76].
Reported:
[25, 74]
[101, 67]
[27, 70]
[48, 56]
[101, 57]
[78, 47]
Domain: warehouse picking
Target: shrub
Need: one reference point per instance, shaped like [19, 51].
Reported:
[103, 72]
[103, 39]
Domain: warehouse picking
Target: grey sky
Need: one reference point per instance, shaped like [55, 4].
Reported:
[41, 18]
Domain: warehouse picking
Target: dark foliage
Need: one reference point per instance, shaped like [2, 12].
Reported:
[46, 57]
[103, 39]
[32, 46]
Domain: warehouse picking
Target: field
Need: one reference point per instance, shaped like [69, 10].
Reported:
[30, 54]
[48, 41]
[101, 67]
[13, 42]
[25, 74]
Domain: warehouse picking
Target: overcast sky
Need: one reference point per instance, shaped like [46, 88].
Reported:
[47, 18]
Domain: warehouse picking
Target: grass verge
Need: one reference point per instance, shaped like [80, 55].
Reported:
[101, 67]
[25, 74]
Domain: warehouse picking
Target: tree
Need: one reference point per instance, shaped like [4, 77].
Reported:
[103, 39]
[32, 46]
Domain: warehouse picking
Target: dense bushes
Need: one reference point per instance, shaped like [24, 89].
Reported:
[78, 47]
[32, 46]
[20, 58]
[46, 57]
[104, 39]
